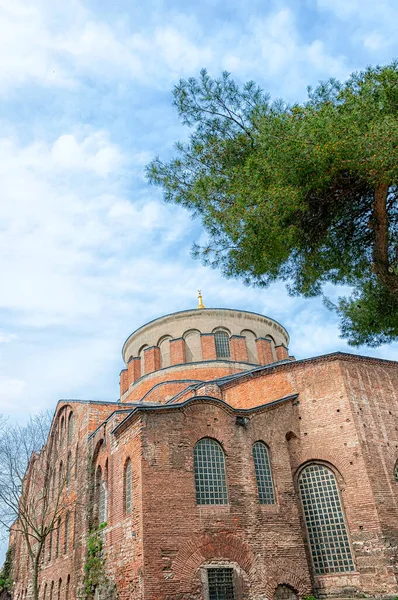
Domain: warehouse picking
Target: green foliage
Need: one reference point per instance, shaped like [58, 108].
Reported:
[94, 568]
[304, 193]
[6, 571]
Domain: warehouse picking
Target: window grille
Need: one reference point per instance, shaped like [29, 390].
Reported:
[221, 584]
[327, 533]
[396, 471]
[221, 339]
[70, 427]
[210, 480]
[262, 466]
[128, 488]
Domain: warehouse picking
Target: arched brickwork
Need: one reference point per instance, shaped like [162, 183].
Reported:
[265, 576]
[206, 548]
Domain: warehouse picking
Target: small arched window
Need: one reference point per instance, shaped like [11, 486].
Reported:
[396, 471]
[141, 356]
[164, 346]
[58, 545]
[128, 491]
[69, 469]
[210, 479]
[323, 514]
[70, 427]
[67, 588]
[59, 589]
[60, 477]
[62, 431]
[101, 496]
[45, 592]
[52, 590]
[50, 545]
[262, 465]
[67, 533]
[221, 339]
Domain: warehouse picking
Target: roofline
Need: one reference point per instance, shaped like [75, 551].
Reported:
[180, 312]
[213, 400]
[222, 381]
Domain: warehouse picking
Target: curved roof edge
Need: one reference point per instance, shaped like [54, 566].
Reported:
[202, 310]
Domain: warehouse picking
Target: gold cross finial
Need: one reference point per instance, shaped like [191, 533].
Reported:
[200, 303]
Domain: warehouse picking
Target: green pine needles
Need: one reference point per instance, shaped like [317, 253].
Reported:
[303, 193]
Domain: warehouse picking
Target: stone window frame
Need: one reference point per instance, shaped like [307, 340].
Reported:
[339, 481]
[201, 493]
[258, 475]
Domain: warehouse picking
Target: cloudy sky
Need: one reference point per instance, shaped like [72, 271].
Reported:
[88, 251]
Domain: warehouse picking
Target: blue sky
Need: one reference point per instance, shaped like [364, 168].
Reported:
[88, 251]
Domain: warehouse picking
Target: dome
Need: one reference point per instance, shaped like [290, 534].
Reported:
[199, 344]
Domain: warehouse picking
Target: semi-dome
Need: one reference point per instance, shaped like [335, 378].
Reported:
[196, 345]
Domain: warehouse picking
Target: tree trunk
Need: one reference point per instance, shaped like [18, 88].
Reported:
[35, 577]
[380, 248]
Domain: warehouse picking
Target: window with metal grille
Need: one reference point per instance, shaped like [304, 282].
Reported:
[323, 513]
[210, 480]
[262, 465]
[221, 339]
[128, 488]
[396, 471]
[221, 584]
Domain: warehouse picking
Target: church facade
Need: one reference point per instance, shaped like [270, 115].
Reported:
[228, 470]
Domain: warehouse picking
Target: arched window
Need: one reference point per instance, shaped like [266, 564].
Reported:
[70, 427]
[69, 469]
[164, 346]
[67, 532]
[285, 592]
[210, 479]
[58, 533]
[141, 353]
[128, 499]
[59, 589]
[396, 471]
[45, 592]
[60, 477]
[52, 590]
[221, 339]
[67, 588]
[54, 482]
[262, 465]
[50, 545]
[101, 496]
[250, 345]
[193, 345]
[323, 513]
[62, 431]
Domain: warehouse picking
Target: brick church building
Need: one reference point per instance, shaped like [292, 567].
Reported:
[228, 470]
